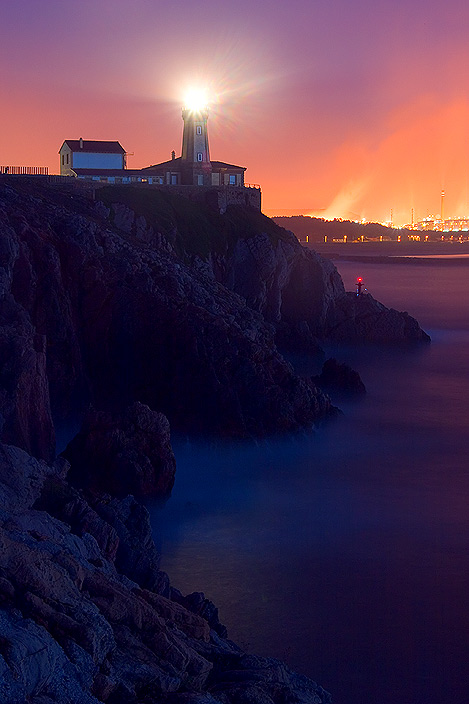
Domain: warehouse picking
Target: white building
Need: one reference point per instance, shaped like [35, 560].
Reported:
[90, 155]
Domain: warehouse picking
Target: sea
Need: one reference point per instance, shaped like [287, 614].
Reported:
[345, 551]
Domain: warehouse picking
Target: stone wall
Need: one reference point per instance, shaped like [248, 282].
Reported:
[218, 197]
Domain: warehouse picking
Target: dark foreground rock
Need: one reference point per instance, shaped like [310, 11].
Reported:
[362, 318]
[113, 315]
[302, 293]
[150, 308]
[87, 617]
[339, 377]
[123, 453]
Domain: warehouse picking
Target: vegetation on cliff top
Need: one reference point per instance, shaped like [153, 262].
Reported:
[199, 228]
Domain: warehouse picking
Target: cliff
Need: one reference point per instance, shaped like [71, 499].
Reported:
[87, 617]
[109, 314]
[298, 292]
[139, 308]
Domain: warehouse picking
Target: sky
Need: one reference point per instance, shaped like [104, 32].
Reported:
[340, 108]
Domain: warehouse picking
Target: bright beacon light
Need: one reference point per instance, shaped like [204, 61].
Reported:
[196, 99]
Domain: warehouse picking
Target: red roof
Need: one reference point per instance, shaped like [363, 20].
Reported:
[172, 162]
[224, 165]
[179, 163]
[93, 145]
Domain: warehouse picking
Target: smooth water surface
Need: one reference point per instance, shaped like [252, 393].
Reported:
[346, 552]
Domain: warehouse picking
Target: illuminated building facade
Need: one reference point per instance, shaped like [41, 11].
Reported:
[79, 155]
[106, 161]
[447, 225]
[194, 167]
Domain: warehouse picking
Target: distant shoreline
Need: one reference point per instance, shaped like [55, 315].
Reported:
[421, 253]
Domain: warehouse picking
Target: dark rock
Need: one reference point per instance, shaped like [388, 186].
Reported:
[73, 628]
[361, 318]
[83, 519]
[21, 479]
[339, 377]
[24, 392]
[123, 453]
[198, 604]
[127, 318]
[177, 309]
[137, 556]
[302, 294]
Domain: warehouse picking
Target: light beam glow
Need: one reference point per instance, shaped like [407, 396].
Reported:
[196, 99]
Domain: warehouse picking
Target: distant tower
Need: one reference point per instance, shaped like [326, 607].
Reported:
[196, 166]
[442, 210]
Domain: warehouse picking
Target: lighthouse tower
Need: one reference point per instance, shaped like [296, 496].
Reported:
[196, 168]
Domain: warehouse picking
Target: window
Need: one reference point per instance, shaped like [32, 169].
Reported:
[63, 159]
[232, 179]
[68, 155]
[174, 179]
[200, 180]
[200, 156]
[199, 129]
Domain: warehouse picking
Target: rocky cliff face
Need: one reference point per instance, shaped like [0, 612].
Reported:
[159, 308]
[302, 294]
[87, 617]
[126, 453]
[295, 289]
[111, 315]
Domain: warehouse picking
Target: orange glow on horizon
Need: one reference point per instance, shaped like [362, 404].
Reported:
[328, 134]
[405, 169]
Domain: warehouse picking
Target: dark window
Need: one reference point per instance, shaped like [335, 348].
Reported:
[200, 156]
[63, 159]
[68, 157]
[199, 129]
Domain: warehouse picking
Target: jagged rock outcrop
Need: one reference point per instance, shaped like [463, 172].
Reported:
[143, 305]
[125, 318]
[25, 414]
[295, 289]
[362, 318]
[288, 284]
[124, 453]
[303, 295]
[86, 618]
[339, 377]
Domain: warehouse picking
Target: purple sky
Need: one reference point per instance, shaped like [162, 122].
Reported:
[345, 107]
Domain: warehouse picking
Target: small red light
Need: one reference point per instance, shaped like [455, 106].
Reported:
[359, 278]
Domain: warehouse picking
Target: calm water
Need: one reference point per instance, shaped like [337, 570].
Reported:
[347, 553]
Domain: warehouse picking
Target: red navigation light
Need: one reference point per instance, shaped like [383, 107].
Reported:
[359, 278]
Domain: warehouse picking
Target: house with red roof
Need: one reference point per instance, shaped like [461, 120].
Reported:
[106, 161]
[78, 156]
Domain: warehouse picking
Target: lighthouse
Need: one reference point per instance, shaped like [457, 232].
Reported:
[196, 167]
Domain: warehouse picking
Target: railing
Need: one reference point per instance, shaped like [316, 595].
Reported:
[25, 170]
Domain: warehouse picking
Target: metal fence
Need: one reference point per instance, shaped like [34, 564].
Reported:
[25, 170]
